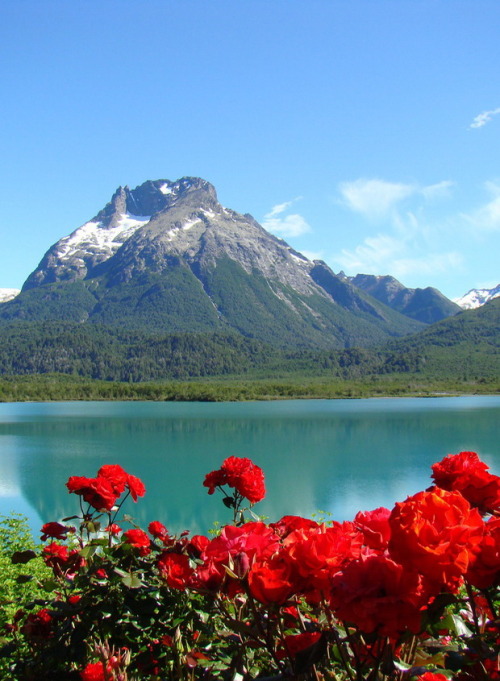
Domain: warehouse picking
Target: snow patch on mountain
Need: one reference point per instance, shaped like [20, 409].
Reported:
[95, 236]
[477, 297]
[176, 231]
[8, 294]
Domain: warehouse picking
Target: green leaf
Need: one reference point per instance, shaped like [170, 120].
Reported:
[132, 581]
[50, 584]
[88, 551]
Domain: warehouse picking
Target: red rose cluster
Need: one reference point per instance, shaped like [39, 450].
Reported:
[379, 572]
[103, 491]
[297, 587]
[240, 473]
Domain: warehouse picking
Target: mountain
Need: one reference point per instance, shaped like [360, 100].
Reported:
[426, 305]
[7, 294]
[477, 297]
[168, 257]
[466, 345]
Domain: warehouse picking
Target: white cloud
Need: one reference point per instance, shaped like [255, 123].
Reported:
[385, 254]
[484, 117]
[486, 218]
[287, 226]
[372, 255]
[281, 207]
[438, 190]
[374, 198]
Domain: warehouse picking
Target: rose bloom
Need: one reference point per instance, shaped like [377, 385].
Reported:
[196, 545]
[38, 625]
[377, 594]
[139, 540]
[296, 643]
[136, 487]
[176, 570]
[98, 492]
[320, 552]
[157, 530]
[375, 527]
[60, 559]
[241, 474]
[103, 491]
[436, 533]
[290, 523]
[116, 476]
[55, 531]
[248, 542]
[485, 570]
[433, 676]
[273, 579]
[467, 474]
[95, 671]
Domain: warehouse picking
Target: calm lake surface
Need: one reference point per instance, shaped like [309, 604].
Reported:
[339, 456]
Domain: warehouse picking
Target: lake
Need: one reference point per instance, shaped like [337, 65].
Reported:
[337, 456]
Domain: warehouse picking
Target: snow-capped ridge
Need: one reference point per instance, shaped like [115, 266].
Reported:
[477, 297]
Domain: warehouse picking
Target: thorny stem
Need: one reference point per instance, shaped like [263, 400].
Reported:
[338, 641]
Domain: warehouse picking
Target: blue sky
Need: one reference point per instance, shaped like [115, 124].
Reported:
[365, 133]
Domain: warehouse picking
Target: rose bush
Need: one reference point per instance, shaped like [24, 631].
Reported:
[403, 594]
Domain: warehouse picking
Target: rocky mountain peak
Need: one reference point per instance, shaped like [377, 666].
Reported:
[129, 210]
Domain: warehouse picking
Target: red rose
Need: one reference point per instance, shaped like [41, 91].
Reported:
[320, 553]
[196, 545]
[377, 594]
[467, 474]
[296, 643]
[60, 559]
[94, 671]
[436, 533]
[158, 530]
[433, 676]
[240, 473]
[375, 527]
[55, 531]
[485, 570]
[98, 492]
[136, 487]
[139, 540]
[290, 523]
[273, 579]
[38, 625]
[249, 542]
[175, 569]
[214, 479]
[116, 476]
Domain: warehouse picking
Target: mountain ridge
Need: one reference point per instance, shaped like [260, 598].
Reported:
[168, 256]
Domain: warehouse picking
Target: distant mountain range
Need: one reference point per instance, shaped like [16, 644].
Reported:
[165, 281]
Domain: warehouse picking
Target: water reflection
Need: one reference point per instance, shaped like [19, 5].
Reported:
[336, 456]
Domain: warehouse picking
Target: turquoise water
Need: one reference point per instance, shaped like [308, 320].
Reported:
[339, 456]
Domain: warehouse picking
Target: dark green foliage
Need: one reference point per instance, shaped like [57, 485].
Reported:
[461, 351]
[223, 299]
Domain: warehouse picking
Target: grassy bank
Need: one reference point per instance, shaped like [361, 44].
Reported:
[44, 388]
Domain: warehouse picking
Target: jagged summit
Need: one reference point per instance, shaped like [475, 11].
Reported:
[167, 256]
[75, 256]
